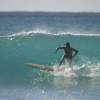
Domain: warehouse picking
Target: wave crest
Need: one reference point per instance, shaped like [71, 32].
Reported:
[45, 32]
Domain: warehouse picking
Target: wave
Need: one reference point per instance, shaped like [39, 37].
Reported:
[45, 32]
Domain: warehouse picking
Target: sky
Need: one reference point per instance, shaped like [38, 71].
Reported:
[51, 5]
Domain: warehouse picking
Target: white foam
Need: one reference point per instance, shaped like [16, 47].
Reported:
[46, 32]
[84, 70]
[63, 71]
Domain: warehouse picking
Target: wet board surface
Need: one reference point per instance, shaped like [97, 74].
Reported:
[40, 67]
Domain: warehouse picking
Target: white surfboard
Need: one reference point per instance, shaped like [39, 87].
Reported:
[40, 67]
[56, 72]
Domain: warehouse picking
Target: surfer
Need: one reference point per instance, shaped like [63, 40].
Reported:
[68, 53]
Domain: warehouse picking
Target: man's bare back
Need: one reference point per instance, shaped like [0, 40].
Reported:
[68, 53]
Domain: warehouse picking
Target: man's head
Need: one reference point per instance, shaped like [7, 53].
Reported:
[68, 44]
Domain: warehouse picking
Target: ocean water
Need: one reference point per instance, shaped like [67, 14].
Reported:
[33, 37]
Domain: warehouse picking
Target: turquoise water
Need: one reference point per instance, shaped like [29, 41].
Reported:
[22, 82]
[36, 42]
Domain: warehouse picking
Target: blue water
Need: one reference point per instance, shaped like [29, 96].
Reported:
[33, 37]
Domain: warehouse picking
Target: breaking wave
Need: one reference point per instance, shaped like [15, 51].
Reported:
[45, 32]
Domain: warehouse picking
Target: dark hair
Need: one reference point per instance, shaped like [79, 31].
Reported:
[67, 44]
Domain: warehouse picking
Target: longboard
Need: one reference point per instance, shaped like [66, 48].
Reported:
[68, 72]
[40, 67]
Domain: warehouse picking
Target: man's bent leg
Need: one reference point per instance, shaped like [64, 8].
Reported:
[62, 60]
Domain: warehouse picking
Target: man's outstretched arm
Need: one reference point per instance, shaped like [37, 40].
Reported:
[59, 48]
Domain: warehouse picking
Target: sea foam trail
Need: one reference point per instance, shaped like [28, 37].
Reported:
[85, 70]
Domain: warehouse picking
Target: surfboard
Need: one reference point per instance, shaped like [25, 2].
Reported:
[40, 67]
[56, 72]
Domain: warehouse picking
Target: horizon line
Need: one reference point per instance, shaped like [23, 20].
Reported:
[50, 11]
